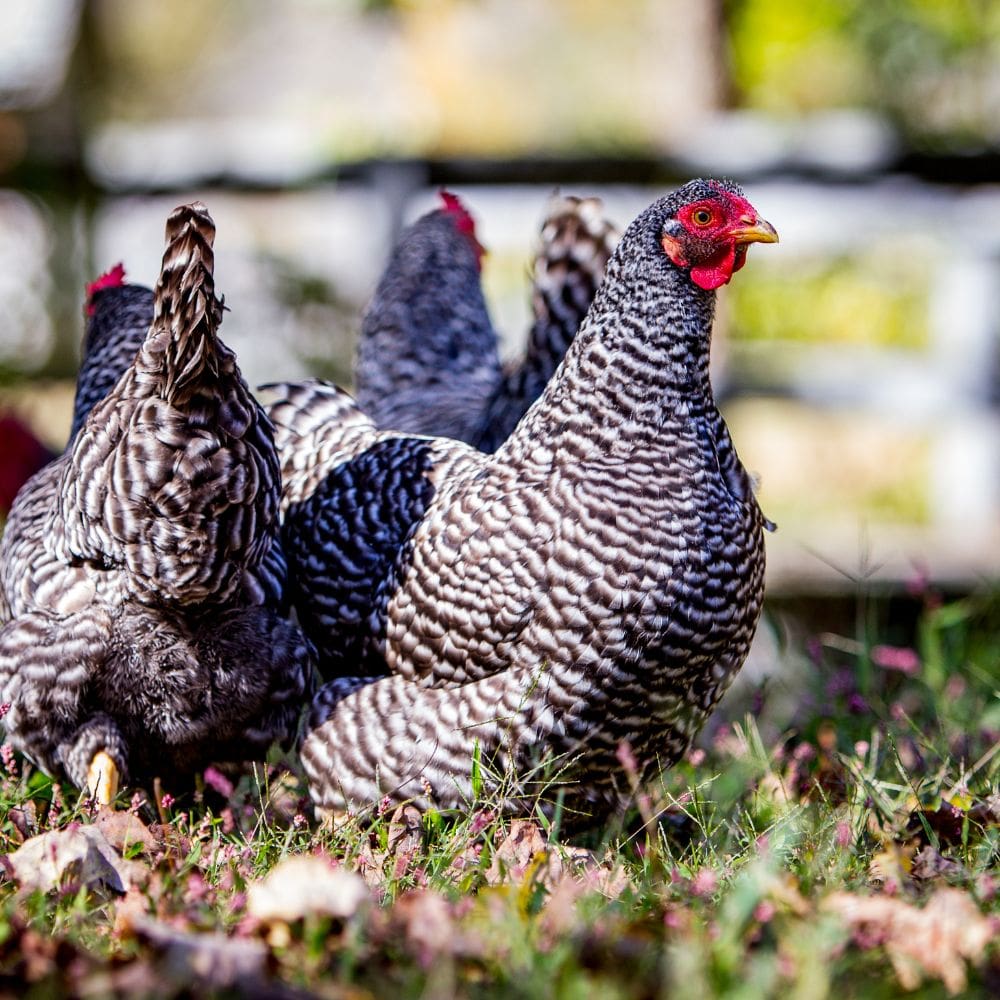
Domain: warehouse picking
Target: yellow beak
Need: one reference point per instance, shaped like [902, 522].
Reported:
[756, 231]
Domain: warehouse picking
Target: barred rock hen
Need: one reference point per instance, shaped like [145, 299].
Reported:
[132, 569]
[595, 582]
[428, 359]
[118, 319]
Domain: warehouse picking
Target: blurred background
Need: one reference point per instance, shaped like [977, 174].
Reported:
[858, 362]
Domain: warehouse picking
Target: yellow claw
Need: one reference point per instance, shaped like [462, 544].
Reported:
[102, 779]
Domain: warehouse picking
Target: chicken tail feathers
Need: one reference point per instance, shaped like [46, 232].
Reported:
[185, 303]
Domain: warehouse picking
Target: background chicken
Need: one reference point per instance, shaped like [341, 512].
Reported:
[428, 359]
[118, 316]
[138, 643]
[595, 582]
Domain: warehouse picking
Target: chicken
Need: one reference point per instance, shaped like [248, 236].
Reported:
[118, 318]
[139, 639]
[576, 242]
[428, 360]
[594, 583]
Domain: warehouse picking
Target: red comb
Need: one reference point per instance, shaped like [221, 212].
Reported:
[453, 206]
[114, 278]
[464, 222]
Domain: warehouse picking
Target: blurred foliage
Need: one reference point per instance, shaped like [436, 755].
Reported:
[932, 65]
[825, 471]
[869, 298]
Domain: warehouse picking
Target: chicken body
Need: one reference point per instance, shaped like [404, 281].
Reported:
[595, 582]
[134, 570]
[428, 359]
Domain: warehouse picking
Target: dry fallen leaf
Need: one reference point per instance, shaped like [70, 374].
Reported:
[213, 961]
[935, 940]
[931, 864]
[516, 852]
[124, 829]
[306, 885]
[82, 853]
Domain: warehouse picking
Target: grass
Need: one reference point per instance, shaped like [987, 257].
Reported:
[840, 839]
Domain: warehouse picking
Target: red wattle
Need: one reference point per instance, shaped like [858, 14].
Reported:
[716, 271]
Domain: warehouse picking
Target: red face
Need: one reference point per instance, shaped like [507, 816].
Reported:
[464, 223]
[711, 237]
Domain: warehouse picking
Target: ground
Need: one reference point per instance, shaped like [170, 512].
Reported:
[840, 838]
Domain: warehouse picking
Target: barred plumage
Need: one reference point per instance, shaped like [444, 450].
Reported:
[139, 570]
[118, 319]
[596, 581]
[428, 359]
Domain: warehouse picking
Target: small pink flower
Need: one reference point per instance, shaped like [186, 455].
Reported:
[480, 821]
[197, 887]
[57, 803]
[696, 756]
[298, 821]
[814, 648]
[955, 687]
[899, 658]
[765, 911]
[4, 709]
[627, 758]
[166, 800]
[228, 821]
[843, 836]
[217, 780]
[857, 704]
[861, 748]
[705, 882]
[9, 760]
[986, 887]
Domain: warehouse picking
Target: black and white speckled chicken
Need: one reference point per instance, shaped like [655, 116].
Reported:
[428, 359]
[139, 640]
[595, 582]
[118, 316]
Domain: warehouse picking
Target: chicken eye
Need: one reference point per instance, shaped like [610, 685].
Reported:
[701, 216]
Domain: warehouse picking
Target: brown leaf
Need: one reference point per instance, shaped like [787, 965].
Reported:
[304, 885]
[24, 819]
[78, 852]
[934, 941]
[404, 829]
[931, 864]
[124, 829]
[516, 852]
[213, 961]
